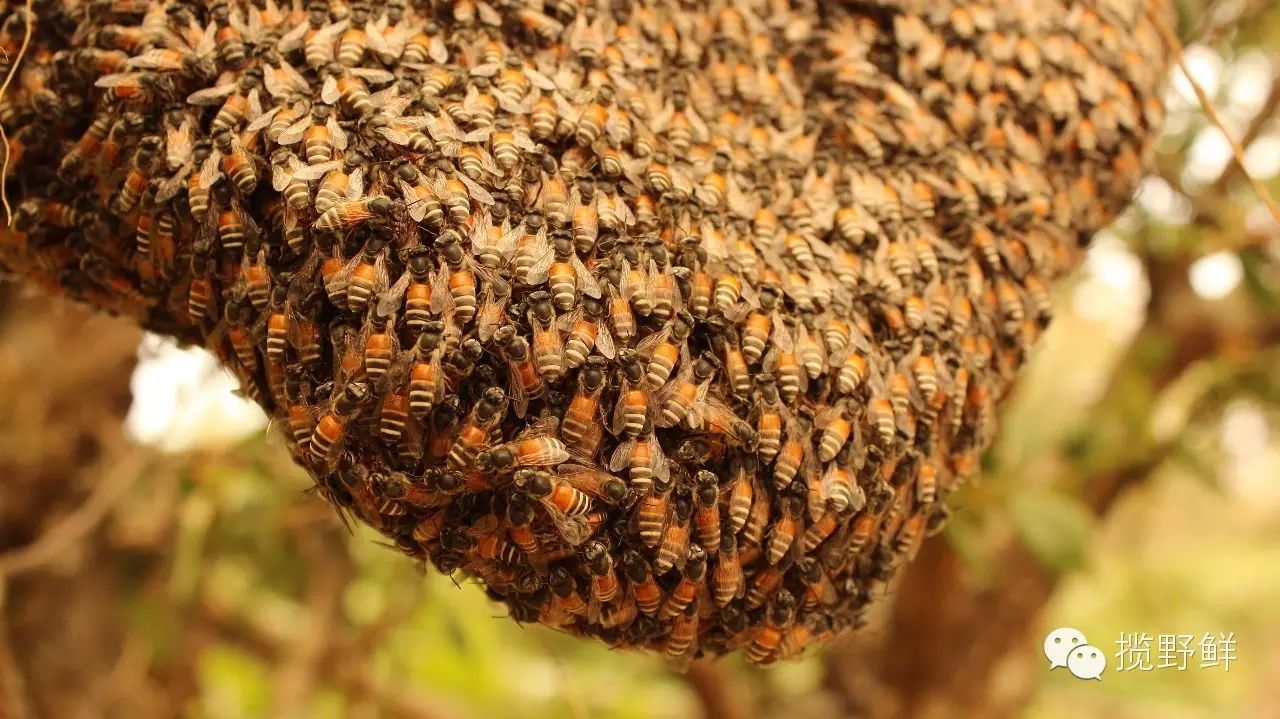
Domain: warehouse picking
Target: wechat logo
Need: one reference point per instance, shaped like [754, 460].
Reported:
[1067, 647]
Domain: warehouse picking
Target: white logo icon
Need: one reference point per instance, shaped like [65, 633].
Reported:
[1086, 662]
[1067, 647]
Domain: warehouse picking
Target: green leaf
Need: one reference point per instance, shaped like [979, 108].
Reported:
[1052, 526]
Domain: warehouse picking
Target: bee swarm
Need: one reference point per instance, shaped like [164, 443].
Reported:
[672, 323]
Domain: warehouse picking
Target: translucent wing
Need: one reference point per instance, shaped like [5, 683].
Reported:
[208, 96]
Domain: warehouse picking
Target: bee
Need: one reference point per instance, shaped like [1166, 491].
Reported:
[587, 332]
[457, 286]
[88, 145]
[707, 516]
[643, 459]
[783, 532]
[394, 416]
[292, 178]
[332, 426]
[683, 632]
[200, 291]
[767, 638]
[727, 581]
[648, 595]
[664, 350]
[686, 591]
[474, 435]
[565, 600]
[535, 447]
[548, 349]
[770, 418]
[581, 415]
[345, 216]
[566, 504]
[230, 158]
[341, 184]
[380, 347]
[680, 398]
[604, 582]
[365, 274]
[631, 412]
[836, 428]
[425, 380]
[137, 180]
[673, 548]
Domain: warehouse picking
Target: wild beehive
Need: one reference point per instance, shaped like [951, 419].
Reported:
[674, 324]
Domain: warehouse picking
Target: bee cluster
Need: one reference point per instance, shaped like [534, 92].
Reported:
[673, 323]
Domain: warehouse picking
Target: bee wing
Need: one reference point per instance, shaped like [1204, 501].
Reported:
[355, 184]
[621, 456]
[262, 120]
[587, 283]
[179, 143]
[781, 337]
[390, 299]
[604, 341]
[373, 76]
[490, 315]
[437, 50]
[311, 173]
[150, 60]
[336, 132]
[116, 79]
[539, 80]
[207, 96]
[329, 93]
[374, 37]
[294, 132]
[292, 40]
[280, 177]
[574, 529]
[658, 123]
[254, 111]
[442, 300]
[478, 193]
[210, 171]
[170, 188]
[488, 69]
[718, 415]
[585, 479]
[394, 105]
[538, 270]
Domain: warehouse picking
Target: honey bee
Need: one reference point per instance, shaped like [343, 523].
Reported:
[565, 504]
[648, 595]
[425, 379]
[474, 434]
[332, 426]
[767, 638]
[535, 447]
[785, 528]
[582, 413]
[525, 381]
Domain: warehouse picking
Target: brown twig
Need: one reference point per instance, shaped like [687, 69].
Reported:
[1210, 108]
[338, 667]
[75, 526]
[719, 698]
[327, 575]
[4, 137]
[1265, 114]
[14, 700]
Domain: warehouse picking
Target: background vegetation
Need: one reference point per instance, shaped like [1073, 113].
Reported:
[174, 565]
